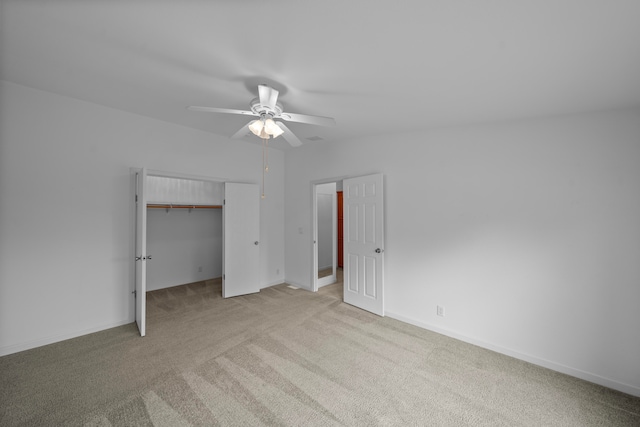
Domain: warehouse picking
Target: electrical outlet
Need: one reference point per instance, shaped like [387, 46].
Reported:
[440, 310]
[199, 269]
[277, 271]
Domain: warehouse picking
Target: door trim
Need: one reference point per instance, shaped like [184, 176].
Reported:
[314, 230]
[317, 282]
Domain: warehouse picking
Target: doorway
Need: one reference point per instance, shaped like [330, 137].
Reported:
[363, 244]
[325, 238]
[327, 233]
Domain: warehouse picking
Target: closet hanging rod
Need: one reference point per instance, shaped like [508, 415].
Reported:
[171, 206]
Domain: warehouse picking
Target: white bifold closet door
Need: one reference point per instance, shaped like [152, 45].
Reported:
[241, 237]
[141, 250]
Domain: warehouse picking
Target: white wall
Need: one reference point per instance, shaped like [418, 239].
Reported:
[66, 209]
[185, 246]
[179, 191]
[526, 232]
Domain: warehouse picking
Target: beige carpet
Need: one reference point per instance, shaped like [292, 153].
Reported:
[287, 357]
[325, 272]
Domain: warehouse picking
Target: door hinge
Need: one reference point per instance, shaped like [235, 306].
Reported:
[135, 293]
[224, 202]
[136, 198]
[224, 277]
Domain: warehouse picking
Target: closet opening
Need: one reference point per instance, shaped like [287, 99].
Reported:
[186, 244]
[201, 232]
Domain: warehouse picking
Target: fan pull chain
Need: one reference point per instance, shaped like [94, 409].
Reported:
[266, 143]
[265, 168]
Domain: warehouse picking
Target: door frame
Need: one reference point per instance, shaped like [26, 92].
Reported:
[314, 230]
[166, 174]
[179, 175]
[140, 250]
[317, 283]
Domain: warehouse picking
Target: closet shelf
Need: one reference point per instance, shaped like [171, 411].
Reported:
[170, 206]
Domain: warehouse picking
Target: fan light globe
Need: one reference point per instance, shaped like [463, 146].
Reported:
[269, 126]
[265, 129]
[264, 134]
[277, 131]
[256, 127]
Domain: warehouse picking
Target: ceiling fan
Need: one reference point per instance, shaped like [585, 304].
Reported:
[267, 108]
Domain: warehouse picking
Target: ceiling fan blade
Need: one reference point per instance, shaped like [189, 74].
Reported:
[244, 131]
[220, 110]
[268, 96]
[289, 136]
[312, 120]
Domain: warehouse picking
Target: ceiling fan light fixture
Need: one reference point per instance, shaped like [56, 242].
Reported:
[267, 108]
[269, 126]
[277, 132]
[256, 127]
[264, 134]
[274, 129]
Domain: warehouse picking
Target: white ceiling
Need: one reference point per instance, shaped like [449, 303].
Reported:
[375, 66]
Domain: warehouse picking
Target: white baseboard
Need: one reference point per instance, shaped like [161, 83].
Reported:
[270, 284]
[587, 376]
[16, 348]
[298, 285]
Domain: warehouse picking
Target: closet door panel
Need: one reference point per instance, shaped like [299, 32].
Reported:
[241, 233]
[141, 255]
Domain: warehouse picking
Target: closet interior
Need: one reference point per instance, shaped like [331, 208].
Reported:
[184, 231]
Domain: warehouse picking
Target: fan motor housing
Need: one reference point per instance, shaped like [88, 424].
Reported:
[260, 109]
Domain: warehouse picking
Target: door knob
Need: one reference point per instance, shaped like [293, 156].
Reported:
[379, 251]
[256, 243]
[148, 256]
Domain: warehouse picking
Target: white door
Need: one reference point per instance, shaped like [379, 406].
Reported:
[364, 243]
[141, 250]
[241, 233]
